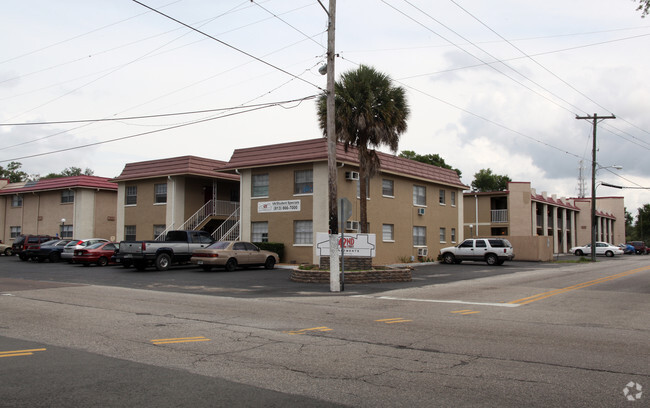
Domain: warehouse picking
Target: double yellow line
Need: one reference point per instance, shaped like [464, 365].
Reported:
[548, 294]
[19, 353]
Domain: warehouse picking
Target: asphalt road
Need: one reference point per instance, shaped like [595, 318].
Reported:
[524, 334]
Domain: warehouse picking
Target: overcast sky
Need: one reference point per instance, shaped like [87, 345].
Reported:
[491, 84]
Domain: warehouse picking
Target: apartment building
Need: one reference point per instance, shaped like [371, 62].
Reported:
[185, 192]
[70, 207]
[413, 208]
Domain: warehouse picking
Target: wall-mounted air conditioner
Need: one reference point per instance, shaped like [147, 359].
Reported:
[352, 225]
[421, 211]
[352, 175]
[423, 251]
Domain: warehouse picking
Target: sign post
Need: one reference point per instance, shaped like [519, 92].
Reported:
[345, 212]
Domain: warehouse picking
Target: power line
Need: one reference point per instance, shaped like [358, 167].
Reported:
[228, 45]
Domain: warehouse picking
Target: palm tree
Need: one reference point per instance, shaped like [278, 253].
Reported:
[370, 113]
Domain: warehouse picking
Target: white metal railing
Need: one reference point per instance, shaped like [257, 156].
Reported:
[229, 229]
[212, 207]
[499, 216]
[163, 234]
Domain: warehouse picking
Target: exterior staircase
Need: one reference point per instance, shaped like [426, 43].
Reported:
[228, 230]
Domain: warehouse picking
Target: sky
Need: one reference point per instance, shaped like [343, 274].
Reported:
[495, 84]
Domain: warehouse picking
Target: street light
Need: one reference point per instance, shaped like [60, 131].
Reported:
[62, 226]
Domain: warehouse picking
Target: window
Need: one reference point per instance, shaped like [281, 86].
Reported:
[480, 243]
[66, 231]
[388, 232]
[158, 230]
[260, 231]
[453, 198]
[129, 232]
[441, 198]
[131, 197]
[302, 233]
[67, 196]
[419, 236]
[453, 235]
[419, 195]
[160, 192]
[303, 182]
[367, 189]
[387, 188]
[260, 185]
[443, 234]
[16, 201]
[15, 231]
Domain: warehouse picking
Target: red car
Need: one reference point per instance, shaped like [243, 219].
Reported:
[99, 253]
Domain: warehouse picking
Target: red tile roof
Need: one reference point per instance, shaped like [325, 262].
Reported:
[60, 183]
[316, 150]
[557, 202]
[175, 166]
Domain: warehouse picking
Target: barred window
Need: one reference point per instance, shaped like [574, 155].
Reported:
[260, 231]
[66, 231]
[67, 196]
[158, 229]
[260, 185]
[131, 197]
[303, 182]
[129, 233]
[303, 234]
[160, 191]
[387, 188]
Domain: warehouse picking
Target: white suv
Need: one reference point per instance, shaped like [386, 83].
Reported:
[494, 251]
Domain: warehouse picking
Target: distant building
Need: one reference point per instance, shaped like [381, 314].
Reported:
[72, 207]
[521, 212]
[413, 208]
[186, 192]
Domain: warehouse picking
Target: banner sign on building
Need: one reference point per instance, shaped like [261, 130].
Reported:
[353, 244]
[278, 206]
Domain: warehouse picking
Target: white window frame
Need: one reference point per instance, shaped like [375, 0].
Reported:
[442, 197]
[130, 233]
[131, 194]
[443, 234]
[419, 236]
[67, 197]
[453, 198]
[392, 188]
[453, 235]
[15, 231]
[388, 232]
[16, 201]
[303, 182]
[261, 190]
[303, 233]
[160, 193]
[260, 231]
[419, 194]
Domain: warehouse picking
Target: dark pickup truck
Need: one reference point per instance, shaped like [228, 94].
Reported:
[176, 248]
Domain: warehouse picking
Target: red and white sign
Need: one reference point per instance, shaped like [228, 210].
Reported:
[353, 244]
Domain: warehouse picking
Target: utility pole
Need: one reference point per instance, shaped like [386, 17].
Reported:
[331, 150]
[593, 179]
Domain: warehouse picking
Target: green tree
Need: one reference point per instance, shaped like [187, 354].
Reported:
[369, 112]
[644, 7]
[643, 223]
[70, 171]
[485, 180]
[13, 173]
[629, 225]
[433, 159]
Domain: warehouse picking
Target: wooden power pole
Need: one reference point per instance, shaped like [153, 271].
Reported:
[593, 179]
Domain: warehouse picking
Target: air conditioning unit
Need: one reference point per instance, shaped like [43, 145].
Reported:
[421, 211]
[352, 175]
[352, 225]
[423, 251]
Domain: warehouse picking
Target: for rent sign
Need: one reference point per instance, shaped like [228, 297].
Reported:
[353, 244]
[278, 206]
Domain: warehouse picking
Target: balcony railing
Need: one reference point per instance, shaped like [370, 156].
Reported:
[499, 216]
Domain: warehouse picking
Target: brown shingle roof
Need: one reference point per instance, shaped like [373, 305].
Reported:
[60, 183]
[316, 150]
[175, 166]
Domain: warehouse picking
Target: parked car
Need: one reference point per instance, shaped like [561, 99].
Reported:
[25, 242]
[231, 254]
[99, 253]
[6, 250]
[50, 250]
[602, 248]
[639, 247]
[68, 250]
[494, 251]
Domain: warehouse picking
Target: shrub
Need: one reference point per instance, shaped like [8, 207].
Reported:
[276, 247]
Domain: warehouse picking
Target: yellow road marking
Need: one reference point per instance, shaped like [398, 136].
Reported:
[19, 353]
[466, 311]
[179, 340]
[394, 320]
[303, 331]
[544, 295]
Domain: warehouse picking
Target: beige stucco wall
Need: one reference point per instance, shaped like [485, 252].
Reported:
[144, 214]
[519, 210]
[532, 248]
[397, 210]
